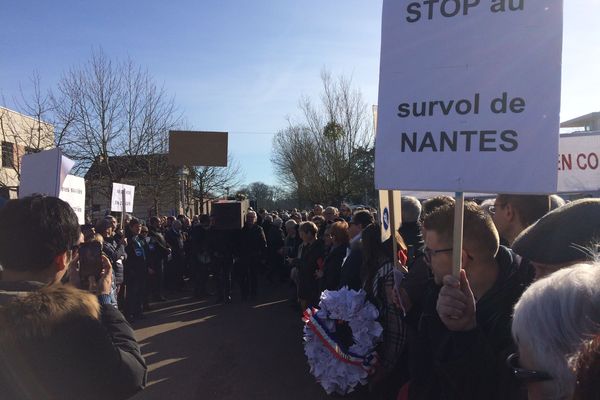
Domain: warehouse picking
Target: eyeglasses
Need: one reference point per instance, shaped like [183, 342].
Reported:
[494, 207]
[430, 252]
[523, 374]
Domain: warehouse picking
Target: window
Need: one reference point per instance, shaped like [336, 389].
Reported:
[8, 155]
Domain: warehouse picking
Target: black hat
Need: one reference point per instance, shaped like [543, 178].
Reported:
[566, 234]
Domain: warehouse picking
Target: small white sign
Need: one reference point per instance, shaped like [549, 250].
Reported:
[469, 96]
[579, 162]
[117, 197]
[44, 173]
[73, 192]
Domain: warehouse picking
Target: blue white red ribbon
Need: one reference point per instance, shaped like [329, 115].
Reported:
[366, 362]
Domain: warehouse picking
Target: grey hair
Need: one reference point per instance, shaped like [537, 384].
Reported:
[554, 317]
[411, 209]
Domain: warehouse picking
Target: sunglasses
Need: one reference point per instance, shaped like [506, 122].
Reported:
[522, 374]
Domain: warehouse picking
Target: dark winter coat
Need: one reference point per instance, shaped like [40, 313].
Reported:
[176, 242]
[332, 268]
[136, 266]
[313, 257]
[350, 274]
[411, 234]
[158, 249]
[253, 243]
[470, 365]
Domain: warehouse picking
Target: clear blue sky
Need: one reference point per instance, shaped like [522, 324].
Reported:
[241, 66]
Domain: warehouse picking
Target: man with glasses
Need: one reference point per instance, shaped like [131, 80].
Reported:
[61, 342]
[512, 213]
[463, 335]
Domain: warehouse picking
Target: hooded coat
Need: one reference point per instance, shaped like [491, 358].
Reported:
[58, 342]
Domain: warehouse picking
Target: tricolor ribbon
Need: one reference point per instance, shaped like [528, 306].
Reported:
[366, 362]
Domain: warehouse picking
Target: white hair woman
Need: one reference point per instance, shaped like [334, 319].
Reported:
[553, 318]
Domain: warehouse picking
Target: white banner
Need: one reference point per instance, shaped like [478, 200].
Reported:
[73, 192]
[469, 96]
[116, 203]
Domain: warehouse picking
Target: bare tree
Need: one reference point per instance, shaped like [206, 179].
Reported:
[113, 109]
[210, 182]
[316, 157]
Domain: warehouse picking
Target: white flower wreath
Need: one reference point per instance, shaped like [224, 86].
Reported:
[336, 368]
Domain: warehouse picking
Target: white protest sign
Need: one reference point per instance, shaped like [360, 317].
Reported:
[73, 192]
[469, 96]
[386, 216]
[117, 196]
[44, 173]
[579, 163]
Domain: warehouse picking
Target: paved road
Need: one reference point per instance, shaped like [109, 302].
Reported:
[198, 350]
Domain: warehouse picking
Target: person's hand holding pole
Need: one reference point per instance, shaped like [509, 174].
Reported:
[456, 303]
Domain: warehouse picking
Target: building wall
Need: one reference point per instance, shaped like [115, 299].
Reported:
[23, 135]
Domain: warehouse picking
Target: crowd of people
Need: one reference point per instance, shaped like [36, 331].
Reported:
[521, 321]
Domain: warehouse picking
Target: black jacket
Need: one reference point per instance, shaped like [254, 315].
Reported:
[158, 249]
[313, 256]
[350, 274]
[253, 243]
[332, 268]
[176, 243]
[224, 243]
[411, 233]
[470, 365]
[275, 240]
[85, 351]
[136, 265]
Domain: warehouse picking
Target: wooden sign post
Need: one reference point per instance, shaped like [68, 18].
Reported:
[123, 209]
[457, 241]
